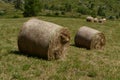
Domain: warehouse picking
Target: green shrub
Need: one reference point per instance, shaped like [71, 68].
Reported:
[2, 12]
[31, 8]
[83, 10]
[112, 17]
[48, 14]
[68, 7]
[63, 13]
[56, 13]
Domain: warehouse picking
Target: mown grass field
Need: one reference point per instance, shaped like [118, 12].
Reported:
[79, 64]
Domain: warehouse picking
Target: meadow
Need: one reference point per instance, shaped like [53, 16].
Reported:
[79, 63]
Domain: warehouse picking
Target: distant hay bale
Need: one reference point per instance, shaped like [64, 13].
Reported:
[104, 19]
[89, 19]
[89, 38]
[95, 19]
[43, 39]
[100, 21]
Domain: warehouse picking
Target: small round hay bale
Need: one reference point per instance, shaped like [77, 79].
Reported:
[89, 19]
[89, 38]
[100, 21]
[43, 39]
[104, 19]
[95, 19]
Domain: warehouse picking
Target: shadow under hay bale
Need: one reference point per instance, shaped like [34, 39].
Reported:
[89, 38]
[73, 45]
[43, 39]
[27, 55]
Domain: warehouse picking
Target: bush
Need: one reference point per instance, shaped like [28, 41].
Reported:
[83, 10]
[68, 7]
[16, 16]
[101, 11]
[63, 13]
[56, 13]
[2, 12]
[48, 14]
[112, 17]
[31, 8]
[94, 13]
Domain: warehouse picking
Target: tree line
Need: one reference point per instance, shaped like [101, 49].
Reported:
[103, 8]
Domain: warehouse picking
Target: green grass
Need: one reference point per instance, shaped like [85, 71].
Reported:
[79, 64]
[8, 11]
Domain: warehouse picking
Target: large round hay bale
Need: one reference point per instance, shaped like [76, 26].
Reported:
[43, 39]
[89, 19]
[89, 38]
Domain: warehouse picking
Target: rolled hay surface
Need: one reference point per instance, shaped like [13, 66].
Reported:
[89, 38]
[43, 39]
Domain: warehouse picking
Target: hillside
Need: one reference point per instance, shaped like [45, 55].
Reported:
[77, 8]
[7, 10]
[105, 8]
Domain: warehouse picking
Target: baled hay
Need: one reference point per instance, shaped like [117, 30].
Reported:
[89, 19]
[95, 19]
[101, 21]
[89, 38]
[43, 39]
[104, 19]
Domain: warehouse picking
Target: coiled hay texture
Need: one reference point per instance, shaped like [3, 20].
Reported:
[43, 39]
[89, 38]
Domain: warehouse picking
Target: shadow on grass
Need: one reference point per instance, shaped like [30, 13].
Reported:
[27, 55]
[79, 46]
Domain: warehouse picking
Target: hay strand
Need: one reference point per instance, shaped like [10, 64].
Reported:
[89, 38]
[43, 39]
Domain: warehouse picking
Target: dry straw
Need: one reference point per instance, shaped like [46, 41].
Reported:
[89, 38]
[43, 39]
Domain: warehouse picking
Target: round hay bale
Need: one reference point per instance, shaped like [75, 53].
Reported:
[43, 39]
[100, 21]
[104, 19]
[89, 38]
[95, 19]
[89, 19]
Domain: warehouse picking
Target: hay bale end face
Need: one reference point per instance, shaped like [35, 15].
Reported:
[89, 38]
[43, 39]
